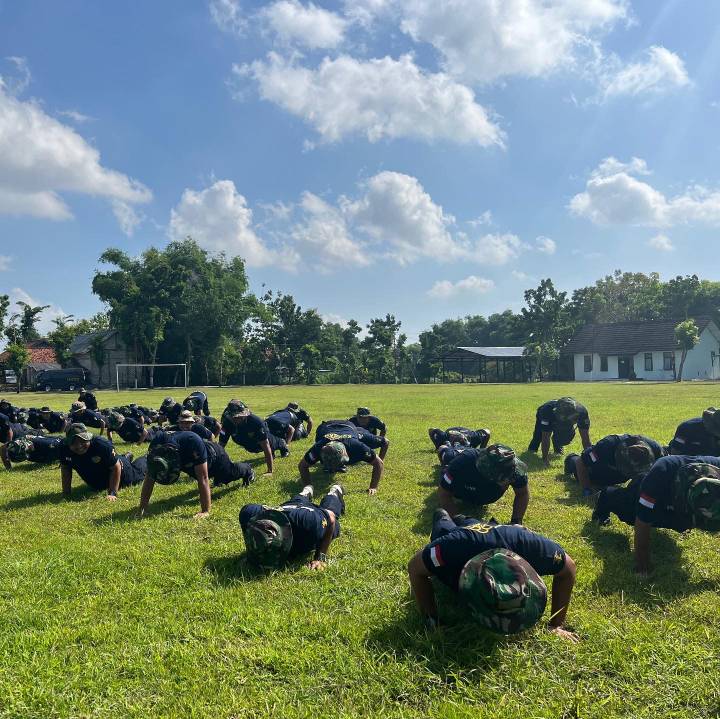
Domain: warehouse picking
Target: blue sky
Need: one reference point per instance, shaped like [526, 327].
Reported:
[428, 159]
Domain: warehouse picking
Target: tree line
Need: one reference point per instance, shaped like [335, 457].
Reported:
[183, 304]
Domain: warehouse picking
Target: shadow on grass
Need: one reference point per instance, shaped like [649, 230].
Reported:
[459, 647]
[35, 500]
[228, 571]
[668, 580]
[532, 460]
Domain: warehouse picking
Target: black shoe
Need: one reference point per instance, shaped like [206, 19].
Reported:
[602, 520]
[440, 515]
[284, 451]
[247, 481]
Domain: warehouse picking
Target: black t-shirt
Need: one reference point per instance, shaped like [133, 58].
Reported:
[45, 450]
[691, 438]
[463, 479]
[374, 425]
[199, 401]
[445, 557]
[88, 417]
[199, 429]
[192, 448]
[657, 492]
[34, 418]
[212, 424]
[249, 433]
[287, 417]
[54, 422]
[308, 522]
[5, 426]
[173, 412]
[357, 451]
[94, 466]
[600, 458]
[131, 430]
[546, 417]
[10, 411]
[89, 399]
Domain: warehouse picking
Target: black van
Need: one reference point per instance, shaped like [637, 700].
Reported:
[70, 379]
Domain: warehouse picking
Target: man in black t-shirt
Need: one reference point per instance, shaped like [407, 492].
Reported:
[128, 428]
[95, 460]
[80, 414]
[289, 423]
[459, 436]
[368, 421]
[497, 569]
[53, 422]
[698, 436]
[41, 450]
[197, 403]
[169, 411]
[88, 399]
[297, 527]
[557, 420]
[482, 476]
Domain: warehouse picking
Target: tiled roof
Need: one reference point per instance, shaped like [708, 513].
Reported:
[40, 351]
[628, 338]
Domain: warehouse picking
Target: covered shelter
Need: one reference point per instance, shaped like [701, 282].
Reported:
[487, 364]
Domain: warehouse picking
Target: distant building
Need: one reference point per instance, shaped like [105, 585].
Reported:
[98, 353]
[643, 350]
[487, 364]
[42, 357]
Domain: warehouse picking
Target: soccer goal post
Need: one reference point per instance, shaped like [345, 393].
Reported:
[146, 376]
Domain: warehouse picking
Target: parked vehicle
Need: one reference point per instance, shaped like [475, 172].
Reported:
[69, 379]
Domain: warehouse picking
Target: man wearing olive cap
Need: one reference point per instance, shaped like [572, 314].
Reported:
[679, 492]
[291, 423]
[700, 435]
[296, 528]
[368, 421]
[459, 435]
[41, 450]
[497, 570]
[482, 476]
[129, 430]
[615, 459]
[197, 403]
[95, 460]
[169, 411]
[557, 420]
[80, 414]
[251, 433]
[174, 452]
[188, 422]
[88, 399]
[339, 445]
[53, 422]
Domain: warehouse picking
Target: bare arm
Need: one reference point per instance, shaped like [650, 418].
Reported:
[446, 501]
[203, 480]
[4, 456]
[304, 469]
[110, 435]
[642, 547]
[384, 449]
[422, 587]
[377, 472]
[114, 481]
[268, 455]
[289, 434]
[585, 438]
[563, 583]
[545, 445]
[66, 479]
[582, 474]
[322, 549]
[309, 425]
[520, 504]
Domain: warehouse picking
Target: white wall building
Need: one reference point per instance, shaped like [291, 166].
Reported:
[643, 350]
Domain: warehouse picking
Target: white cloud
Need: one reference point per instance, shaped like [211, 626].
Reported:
[309, 25]
[614, 197]
[379, 98]
[40, 158]
[661, 242]
[219, 219]
[496, 249]
[228, 16]
[332, 318]
[324, 233]
[522, 276]
[482, 41]
[18, 82]
[485, 219]
[5, 261]
[660, 72]
[128, 218]
[77, 117]
[365, 12]
[444, 289]
[45, 323]
[545, 245]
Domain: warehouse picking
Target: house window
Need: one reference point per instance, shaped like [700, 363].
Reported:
[588, 363]
[648, 361]
[668, 361]
[603, 363]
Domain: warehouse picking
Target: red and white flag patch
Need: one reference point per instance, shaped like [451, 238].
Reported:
[647, 501]
[593, 456]
[436, 556]
[448, 478]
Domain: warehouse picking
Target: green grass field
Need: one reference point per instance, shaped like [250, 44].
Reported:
[103, 615]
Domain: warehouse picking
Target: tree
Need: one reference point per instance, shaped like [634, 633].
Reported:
[18, 361]
[687, 335]
[4, 305]
[67, 329]
[22, 328]
[310, 356]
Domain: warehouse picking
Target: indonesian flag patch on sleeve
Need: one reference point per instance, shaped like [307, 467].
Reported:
[593, 456]
[436, 556]
[447, 477]
[647, 501]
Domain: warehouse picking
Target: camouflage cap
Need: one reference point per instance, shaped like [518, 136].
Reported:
[294, 406]
[363, 412]
[711, 420]
[567, 409]
[163, 463]
[19, 449]
[634, 459]
[455, 436]
[236, 408]
[191, 402]
[333, 456]
[167, 402]
[268, 538]
[75, 430]
[702, 484]
[499, 463]
[45, 409]
[504, 592]
[22, 415]
[115, 420]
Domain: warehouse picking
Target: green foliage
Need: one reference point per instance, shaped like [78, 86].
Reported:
[18, 360]
[21, 328]
[67, 329]
[687, 334]
[105, 616]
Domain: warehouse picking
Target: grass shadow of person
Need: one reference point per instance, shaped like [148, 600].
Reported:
[668, 580]
[156, 507]
[532, 460]
[236, 568]
[78, 494]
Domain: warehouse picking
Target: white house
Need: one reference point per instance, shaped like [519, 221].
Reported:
[643, 350]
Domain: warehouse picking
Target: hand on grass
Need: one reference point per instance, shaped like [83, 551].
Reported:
[565, 634]
[111, 497]
[201, 515]
[316, 564]
[372, 490]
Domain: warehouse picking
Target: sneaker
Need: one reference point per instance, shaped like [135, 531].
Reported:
[308, 491]
[284, 451]
[247, 481]
[337, 489]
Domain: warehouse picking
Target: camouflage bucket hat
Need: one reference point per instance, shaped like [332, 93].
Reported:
[711, 420]
[236, 408]
[77, 406]
[186, 416]
[363, 412]
[333, 456]
[191, 403]
[167, 402]
[702, 482]
[504, 592]
[268, 538]
[115, 420]
[75, 430]
[163, 464]
[498, 463]
[293, 406]
[634, 459]
[23, 415]
[567, 409]
[19, 449]
[457, 437]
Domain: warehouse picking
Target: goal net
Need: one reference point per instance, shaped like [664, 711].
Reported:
[147, 376]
